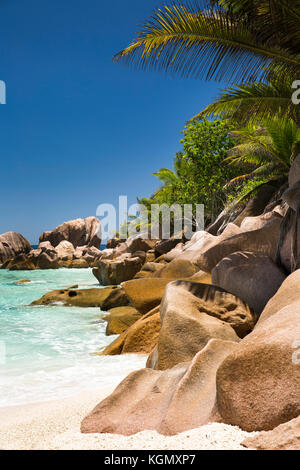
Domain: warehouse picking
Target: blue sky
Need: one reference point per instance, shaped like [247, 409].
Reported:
[77, 129]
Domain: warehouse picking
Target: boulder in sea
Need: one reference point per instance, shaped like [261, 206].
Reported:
[12, 244]
[111, 272]
[106, 299]
[258, 385]
[79, 232]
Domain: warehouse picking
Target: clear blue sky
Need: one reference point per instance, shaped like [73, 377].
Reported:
[77, 129]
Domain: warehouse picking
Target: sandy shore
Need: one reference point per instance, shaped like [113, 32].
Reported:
[56, 425]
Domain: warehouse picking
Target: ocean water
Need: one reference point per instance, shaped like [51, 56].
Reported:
[46, 352]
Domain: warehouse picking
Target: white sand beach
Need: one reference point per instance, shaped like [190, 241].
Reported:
[55, 425]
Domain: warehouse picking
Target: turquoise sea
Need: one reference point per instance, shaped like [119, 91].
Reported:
[46, 352]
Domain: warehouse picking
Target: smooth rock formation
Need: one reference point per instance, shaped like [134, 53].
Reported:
[169, 401]
[79, 232]
[119, 319]
[192, 314]
[141, 337]
[256, 223]
[263, 240]
[106, 299]
[285, 437]
[12, 244]
[258, 386]
[253, 277]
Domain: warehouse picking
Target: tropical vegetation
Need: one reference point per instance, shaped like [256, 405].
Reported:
[254, 46]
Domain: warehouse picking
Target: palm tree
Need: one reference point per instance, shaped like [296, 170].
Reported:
[268, 151]
[172, 180]
[254, 42]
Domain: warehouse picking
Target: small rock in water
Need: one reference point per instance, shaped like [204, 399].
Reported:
[21, 282]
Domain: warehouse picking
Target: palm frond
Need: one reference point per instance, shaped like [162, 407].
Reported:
[253, 101]
[204, 41]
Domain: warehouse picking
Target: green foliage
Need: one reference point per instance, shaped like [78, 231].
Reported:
[268, 148]
[199, 175]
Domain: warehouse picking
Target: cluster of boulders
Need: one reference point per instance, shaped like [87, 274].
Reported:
[218, 317]
[220, 320]
[74, 244]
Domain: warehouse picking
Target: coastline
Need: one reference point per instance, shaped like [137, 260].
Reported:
[55, 425]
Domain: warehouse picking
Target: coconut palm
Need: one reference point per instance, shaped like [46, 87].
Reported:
[267, 151]
[234, 40]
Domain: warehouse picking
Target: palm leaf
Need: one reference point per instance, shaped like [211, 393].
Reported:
[203, 41]
[253, 101]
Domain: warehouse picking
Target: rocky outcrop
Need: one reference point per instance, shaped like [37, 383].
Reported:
[285, 437]
[141, 337]
[119, 319]
[253, 277]
[258, 386]
[79, 232]
[106, 299]
[169, 401]
[12, 244]
[192, 314]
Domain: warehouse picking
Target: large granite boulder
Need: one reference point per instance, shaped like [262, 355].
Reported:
[106, 299]
[12, 244]
[202, 241]
[192, 314]
[253, 277]
[141, 337]
[258, 385]
[169, 401]
[285, 437]
[263, 240]
[255, 223]
[111, 272]
[79, 232]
